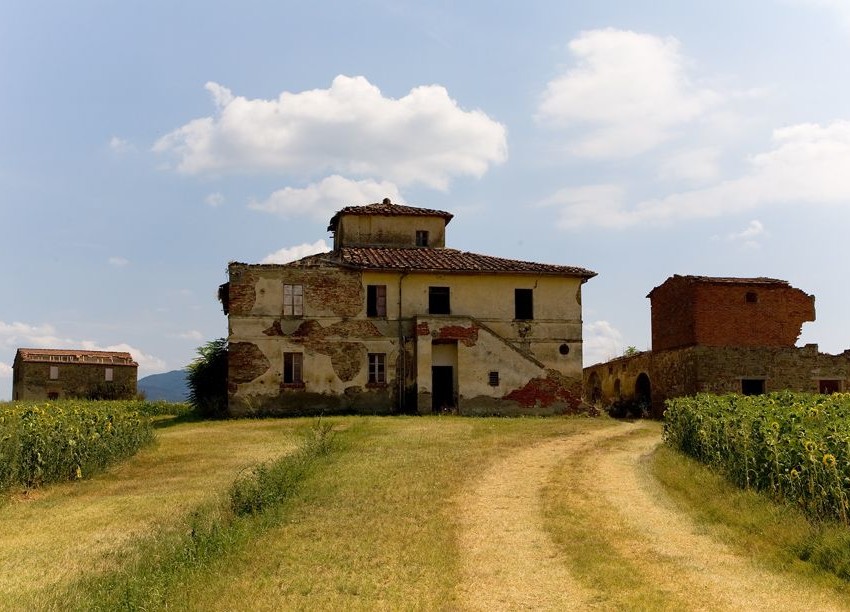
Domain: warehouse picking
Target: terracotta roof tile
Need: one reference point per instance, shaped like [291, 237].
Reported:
[433, 260]
[388, 209]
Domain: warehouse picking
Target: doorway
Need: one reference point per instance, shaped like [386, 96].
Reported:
[443, 389]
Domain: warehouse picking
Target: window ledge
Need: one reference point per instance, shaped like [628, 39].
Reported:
[294, 385]
[376, 385]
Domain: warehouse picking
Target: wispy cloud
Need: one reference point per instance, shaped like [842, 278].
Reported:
[287, 254]
[24, 335]
[119, 145]
[118, 262]
[807, 166]
[214, 200]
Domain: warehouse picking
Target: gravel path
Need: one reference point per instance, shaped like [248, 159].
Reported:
[510, 562]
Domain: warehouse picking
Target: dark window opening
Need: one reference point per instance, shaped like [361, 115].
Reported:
[53, 395]
[293, 368]
[524, 304]
[376, 300]
[752, 386]
[752, 297]
[438, 300]
[829, 386]
[494, 379]
[564, 349]
[377, 368]
[421, 238]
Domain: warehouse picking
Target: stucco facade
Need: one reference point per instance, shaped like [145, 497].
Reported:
[42, 374]
[721, 335]
[392, 321]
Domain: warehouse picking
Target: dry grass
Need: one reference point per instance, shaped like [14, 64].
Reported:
[51, 537]
[379, 528]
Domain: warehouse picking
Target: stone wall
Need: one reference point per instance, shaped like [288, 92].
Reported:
[76, 380]
[691, 370]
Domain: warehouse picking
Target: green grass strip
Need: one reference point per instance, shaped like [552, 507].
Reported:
[149, 573]
[779, 534]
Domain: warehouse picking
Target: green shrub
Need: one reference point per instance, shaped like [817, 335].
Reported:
[207, 380]
[795, 446]
[66, 440]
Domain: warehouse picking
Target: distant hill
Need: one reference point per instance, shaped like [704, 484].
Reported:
[170, 386]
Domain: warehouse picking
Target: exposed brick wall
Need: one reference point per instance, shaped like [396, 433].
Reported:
[245, 362]
[687, 313]
[241, 290]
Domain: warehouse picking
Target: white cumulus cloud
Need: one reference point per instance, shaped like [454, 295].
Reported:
[350, 128]
[601, 342]
[807, 166]
[627, 93]
[5, 370]
[287, 254]
[321, 200]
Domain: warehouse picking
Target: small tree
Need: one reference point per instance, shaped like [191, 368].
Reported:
[631, 351]
[207, 379]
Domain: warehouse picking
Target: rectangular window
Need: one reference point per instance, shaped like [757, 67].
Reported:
[108, 375]
[377, 368]
[752, 386]
[494, 379]
[524, 304]
[421, 238]
[438, 300]
[292, 368]
[54, 372]
[293, 300]
[376, 300]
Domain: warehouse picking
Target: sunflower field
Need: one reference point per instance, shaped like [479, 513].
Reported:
[67, 440]
[794, 446]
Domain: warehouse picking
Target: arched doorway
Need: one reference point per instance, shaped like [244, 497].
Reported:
[643, 393]
[593, 391]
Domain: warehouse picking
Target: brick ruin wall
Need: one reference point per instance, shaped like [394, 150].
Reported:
[705, 314]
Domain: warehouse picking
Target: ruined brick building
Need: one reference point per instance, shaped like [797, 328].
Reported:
[393, 321]
[41, 374]
[721, 335]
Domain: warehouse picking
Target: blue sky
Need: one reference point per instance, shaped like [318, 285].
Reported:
[143, 145]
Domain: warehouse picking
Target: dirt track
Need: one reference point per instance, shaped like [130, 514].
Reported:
[511, 563]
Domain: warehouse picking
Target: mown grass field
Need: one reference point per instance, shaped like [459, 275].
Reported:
[374, 524]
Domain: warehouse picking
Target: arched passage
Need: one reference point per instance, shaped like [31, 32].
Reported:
[593, 391]
[643, 390]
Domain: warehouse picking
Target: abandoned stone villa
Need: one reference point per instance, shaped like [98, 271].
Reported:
[42, 374]
[721, 335]
[393, 321]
